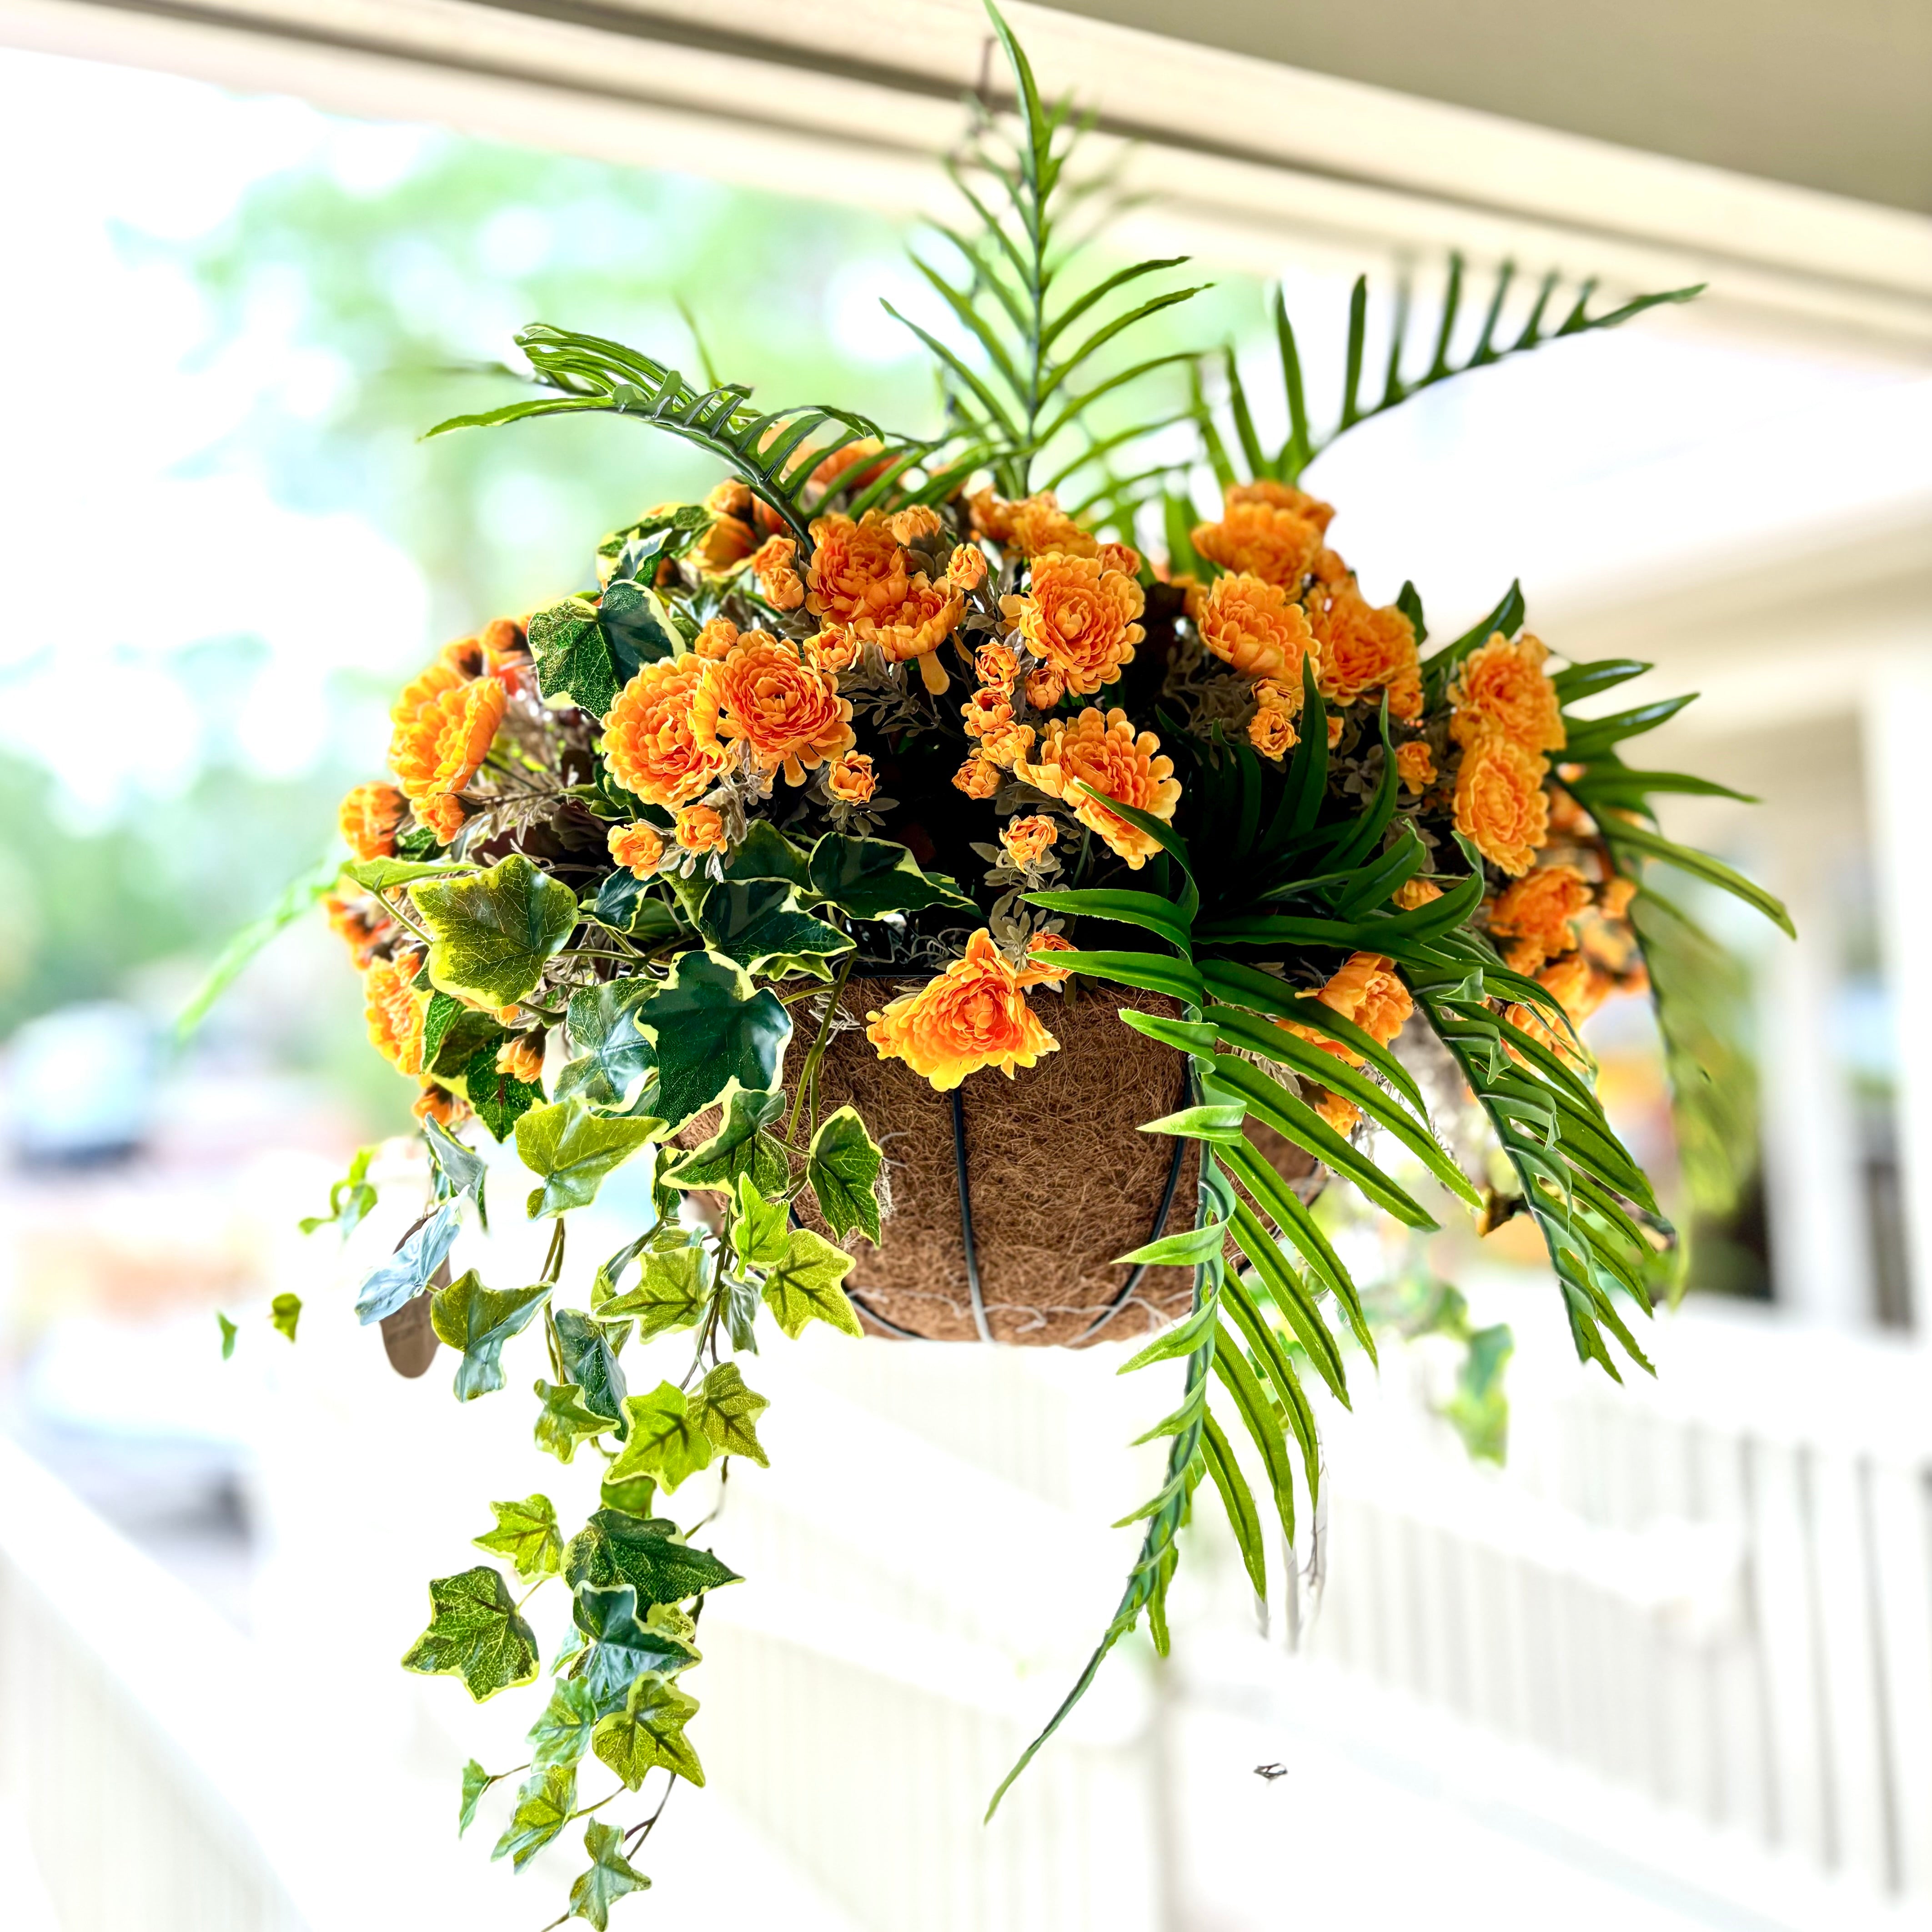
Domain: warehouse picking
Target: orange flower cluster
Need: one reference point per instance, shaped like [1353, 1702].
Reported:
[1249, 622]
[649, 741]
[1032, 525]
[1028, 840]
[1103, 751]
[639, 848]
[368, 819]
[445, 723]
[1363, 649]
[1415, 765]
[863, 581]
[974, 1014]
[1505, 714]
[1538, 913]
[1079, 617]
[786, 713]
[395, 1010]
[1501, 805]
[850, 779]
[700, 828]
[779, 583]
[1365, 989]
[1267, 530]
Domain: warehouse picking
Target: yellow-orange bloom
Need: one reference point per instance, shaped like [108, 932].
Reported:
[1079, 618]
[639, 848]
[834, 466]
[787, 712]
[966, 568]
[978, 778]
[833, 650]
[1334, 731]
[1501, 690]
[1005, 745]
[1251, 625]
[914, 527]
[974, 1015]
[1261, 540]
[1031, 525]
[649, 740]
[443, 813]
[714, 639]
[440, 746]
[993, 664]
[1578, 988]
[1414, 892]
[1500, 803]
[1271, 731]
[1041, 972]
[522, 1058]
[1415, 765]
[499, 650]
[700, 828]
[987, 710]
[779, 584]
[730, 498]
[1363, 649]
[850, 779]
[438, 1104]
[1366, 990]
[356, 922]
[1028, 840]
[1536, 912]
[395, 1010]
[727, 542]
[1282, 497]
[369, 817]
[860, 579]
[1614, 896]
[1101, 751]
[1120, 557]
[1045, 689]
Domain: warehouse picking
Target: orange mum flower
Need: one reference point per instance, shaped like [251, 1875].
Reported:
[1120, 557]
[1260, 540]
[443, 815]
[1363, 649]
[499, 650]
[1501, 690]
[988, 710]
[730, 498]
[978, 778]
[974, 1015]
[1045, 689]
[966, 568]
[438, 747]
[1282, 497]
[1334, 731]
[1365, 989]
[522, 1058]
[1536, 912]
[1251, 624]
[860, 579]
[849, 778]
[993, 664]
[438, 1104]
[714, 639]
[369, 817]
[834, 466]
[1103, 751]
[1007, 744]
[394, 1010]
[786, 712]
[914, 527]
[1414, 892]
[833, 650]
[1031, 525]
[1271, 731]
[1614, 896]
[356, 922]
[649, 739]
[1040, 973]
[1080, 618]
[1578, 988]
[1500, 803]
[1028, 840]
[640, 848]
[699, 828]
[779, 583]
[730, 540]
[1415, 765]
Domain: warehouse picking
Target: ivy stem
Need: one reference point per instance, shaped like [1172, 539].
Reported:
[552, 1267]
[810, 1071]
[642, 1832]
[528, 1594]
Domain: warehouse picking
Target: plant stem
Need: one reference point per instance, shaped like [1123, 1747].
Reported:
[818, 1053]
[552, 1267]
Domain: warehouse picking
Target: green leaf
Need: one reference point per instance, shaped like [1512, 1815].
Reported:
[1237, 1499]
[284, 1312]
[611, 1876]
[617, 1547]
[229, 1332]
[1177, 978]
[1620, 831]
[1220, 1123]
[613, 1057]
[710, 1026]
[635, 1496]
[672, 1292]
[766, 853]
[759, 923]
[649, 1732]
[759, 1227]
[475, 1633]
[740, 1149]
[586, 653]
[842, 1167]
[294, 899]
[500, 1099]
[453, 1035]
[638, 626]
[477, 1321]
[460, 1170]
[544, 1805]
[492, 933]
[803, 1286]
[665, 1441]
[867, 878]
[349, 1198]
[475, 1781]
[622, 1647]
[526, 1533]
[589, 1359]
[571, 1150]
[384, 875]
[727, 1412]
[563, 1421]
[408, 1271]
[1124, 907]
[561, 1735]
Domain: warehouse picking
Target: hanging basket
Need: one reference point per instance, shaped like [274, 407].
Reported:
[1006, 1201]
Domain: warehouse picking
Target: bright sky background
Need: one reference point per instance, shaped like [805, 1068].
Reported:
[120, 542]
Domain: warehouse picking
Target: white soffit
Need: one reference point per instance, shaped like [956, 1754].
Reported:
[1252, 163]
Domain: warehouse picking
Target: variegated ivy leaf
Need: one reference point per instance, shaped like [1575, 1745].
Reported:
[475, 1781]
[544, 1807]
[527, 1534]
[615, 1548]
[759, 1228]
[727, 1412]
[589, 1350]
[612, 1059]
[635, 1496]
[561, 1735]
[477, 1321]
[665, 1440]
[710, 1027]
[740, 1147]
[284, 1312]
[759, 923]
[842, 1166]
[475, 1633]
[649, 1732]
[406, 1273]
[571, 1150]
[562, 1420]
[611, 1876]
[492, 933]
[803, 1286]
[671, 1292]
[622, 1647]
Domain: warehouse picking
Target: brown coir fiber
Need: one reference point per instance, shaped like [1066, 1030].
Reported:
[1060, 1180]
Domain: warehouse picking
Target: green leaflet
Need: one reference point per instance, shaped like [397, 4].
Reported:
[563, 1421]
[349, 1198]
[740, 1147]
[501, 1100]
[759, 923]
[649, 1732]
[407, 1272]
[284, 1312]
[665, 1441]
[561, 1735]
[866, 878]
[710, 1027]
[612, 1057]
[477, 1322]
[803, 1286]
[1262, 1425]
[589, 1356]
[229, 1332]
[611, 1876]
[475, 1633]
[475, 1781]
[635, 1496]
[571, 1149]
[544, 1804]
[1238, 1501]
[842, 1167]
[453, 1034]
[766, 853]
[493, 932]
[760, 1227]
[616, 1548]
[622, 1647]
[384, 875]
[672, 1292]
[526, 1533]
[1622, 831]
[727, 1412]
